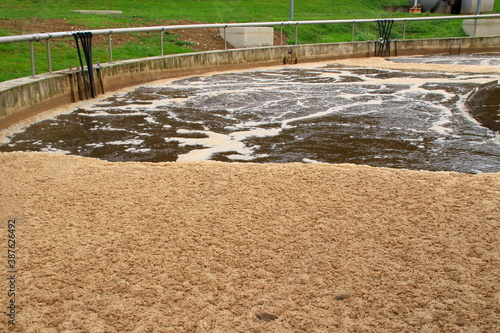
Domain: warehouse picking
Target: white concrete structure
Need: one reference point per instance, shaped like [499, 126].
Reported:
[249, 36]
[484, 28]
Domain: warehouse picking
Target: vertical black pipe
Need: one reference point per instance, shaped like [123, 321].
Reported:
[87, 48]
[77, 40]
[384, 30]
[85, 38]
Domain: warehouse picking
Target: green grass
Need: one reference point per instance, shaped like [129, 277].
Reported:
[15, 57]
[201, 10]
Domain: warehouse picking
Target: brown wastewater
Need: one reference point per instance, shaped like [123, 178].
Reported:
[317, 113]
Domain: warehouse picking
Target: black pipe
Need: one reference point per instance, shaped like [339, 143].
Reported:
[76, 36]
[85, 38]
[384, 30]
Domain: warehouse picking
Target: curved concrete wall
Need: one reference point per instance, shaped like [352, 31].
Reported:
[476, 103]
[22, 97]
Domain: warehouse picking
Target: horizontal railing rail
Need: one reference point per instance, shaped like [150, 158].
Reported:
[47, 36]
[50, 35]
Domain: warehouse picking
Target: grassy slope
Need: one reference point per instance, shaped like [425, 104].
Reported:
[14, 58]
[202, 10]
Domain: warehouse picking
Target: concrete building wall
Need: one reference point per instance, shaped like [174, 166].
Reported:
[22, 97]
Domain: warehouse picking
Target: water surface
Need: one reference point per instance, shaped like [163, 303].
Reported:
[324, 114]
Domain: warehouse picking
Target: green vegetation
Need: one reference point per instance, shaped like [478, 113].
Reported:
[15, 57]
[200, 10]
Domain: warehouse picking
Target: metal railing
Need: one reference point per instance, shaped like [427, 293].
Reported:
[37, 37]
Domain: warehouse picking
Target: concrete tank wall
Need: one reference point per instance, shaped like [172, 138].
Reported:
[23, 97]
[477, 102]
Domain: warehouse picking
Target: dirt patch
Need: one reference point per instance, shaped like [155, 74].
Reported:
[199, 39]
[206, 247]
[38, 25]
[397, 9]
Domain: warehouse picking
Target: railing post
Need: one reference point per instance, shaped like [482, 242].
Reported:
[475, 26]
[32, 57]
[225, 40]
[49, 57]
[296, 33]
[352, 32]
[110, 48]
[161, 43]
[478, 11]
[281, 34]
[404, 29]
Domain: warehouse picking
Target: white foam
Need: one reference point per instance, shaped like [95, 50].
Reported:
[214, 143]
[51, 149]
[102, 113]
[151, 120]
[313, 115]
[235, 157]
[220, 143]
[107, 128]
[310, 161]
[255, 132]
[126, 142]
[95, 145]
[444, 119]
[134, 150]
[93, 114]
